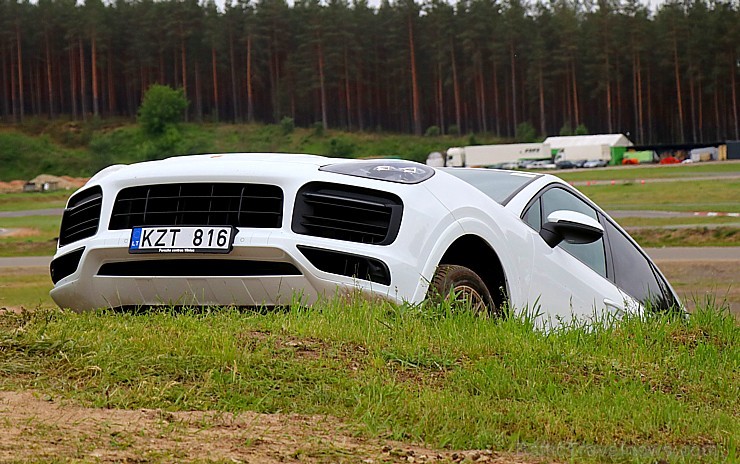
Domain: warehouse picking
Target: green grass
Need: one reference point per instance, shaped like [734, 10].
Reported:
[676, 221]
[639, 390]
[693, 237]
[36, 239]
[25, 287]
[35, 200]
[651, 172]
[705, 195]
[23, 157]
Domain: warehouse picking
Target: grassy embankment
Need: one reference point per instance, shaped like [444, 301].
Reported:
[632, 391]
[75, 148]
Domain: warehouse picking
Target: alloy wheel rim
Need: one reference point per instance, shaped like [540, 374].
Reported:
[472, 299]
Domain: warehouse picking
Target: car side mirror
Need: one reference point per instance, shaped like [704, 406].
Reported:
[570, 226]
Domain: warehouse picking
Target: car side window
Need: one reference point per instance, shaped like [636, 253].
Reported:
[558, 199]
[533, 216]
[634, 273]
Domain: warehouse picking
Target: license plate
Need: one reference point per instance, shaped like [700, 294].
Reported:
[204, 239]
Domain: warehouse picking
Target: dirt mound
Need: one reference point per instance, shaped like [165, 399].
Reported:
[43, 182]
[12, 186]
[58, 182]
[39, 427]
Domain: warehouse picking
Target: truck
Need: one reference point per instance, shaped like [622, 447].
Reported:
[492, 155]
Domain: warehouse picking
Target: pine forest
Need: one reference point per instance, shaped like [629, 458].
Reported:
[476, 66]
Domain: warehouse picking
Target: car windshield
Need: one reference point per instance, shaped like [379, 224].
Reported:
[499, 185]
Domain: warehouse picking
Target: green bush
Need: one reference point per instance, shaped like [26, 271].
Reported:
[581, 130]
[453, 129]
[432, 131]
[341, 147]
[162, 107]
[287, 125]
[318, 129]
[525, 133]
[170, 143]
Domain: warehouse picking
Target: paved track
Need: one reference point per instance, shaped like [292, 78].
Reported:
[26, 261]
[32, 212]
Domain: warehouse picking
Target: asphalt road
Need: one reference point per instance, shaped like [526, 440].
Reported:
[32, 212]
[26, 261]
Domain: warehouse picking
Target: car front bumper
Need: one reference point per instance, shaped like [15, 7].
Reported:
[90, 286]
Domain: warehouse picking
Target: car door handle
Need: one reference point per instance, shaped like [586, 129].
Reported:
[613, 304]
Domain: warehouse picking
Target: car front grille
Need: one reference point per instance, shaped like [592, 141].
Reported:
[199, 204]
[347, 213]
[81, 216]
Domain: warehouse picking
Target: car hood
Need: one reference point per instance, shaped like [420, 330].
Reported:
[221, 162]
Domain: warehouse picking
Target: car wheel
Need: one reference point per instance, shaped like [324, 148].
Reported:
[466, 286]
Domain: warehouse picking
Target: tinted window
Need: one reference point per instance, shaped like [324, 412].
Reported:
[634, 274]
[557, 199]
[533, 216]
[591, 254]
[499, 185]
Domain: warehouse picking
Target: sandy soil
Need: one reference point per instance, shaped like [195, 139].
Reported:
[36, 427]
[20, 232]
[699, 281]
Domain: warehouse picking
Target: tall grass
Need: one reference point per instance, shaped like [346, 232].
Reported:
[637, 389]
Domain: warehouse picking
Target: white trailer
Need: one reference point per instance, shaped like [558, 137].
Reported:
[492, 155]
[587, 152]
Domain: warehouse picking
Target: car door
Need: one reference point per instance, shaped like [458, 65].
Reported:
[570, 279]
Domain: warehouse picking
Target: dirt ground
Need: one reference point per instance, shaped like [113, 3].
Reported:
[39, 428]
[699, 281]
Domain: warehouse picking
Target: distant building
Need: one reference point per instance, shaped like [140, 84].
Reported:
[607, 147]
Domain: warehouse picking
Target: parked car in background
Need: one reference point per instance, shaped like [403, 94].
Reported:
[565, 164]
[596, 163]
[274, 229]
[541, 164]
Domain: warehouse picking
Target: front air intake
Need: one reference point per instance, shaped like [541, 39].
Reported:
[348, 264]
[81, 216]
[343, 212]
[199, 204]
[65, 265]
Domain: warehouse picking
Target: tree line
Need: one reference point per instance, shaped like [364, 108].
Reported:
[493, 66]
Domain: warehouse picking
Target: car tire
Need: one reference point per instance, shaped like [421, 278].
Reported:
[466, 285]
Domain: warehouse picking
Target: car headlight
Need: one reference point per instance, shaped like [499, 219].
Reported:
[402, 172]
